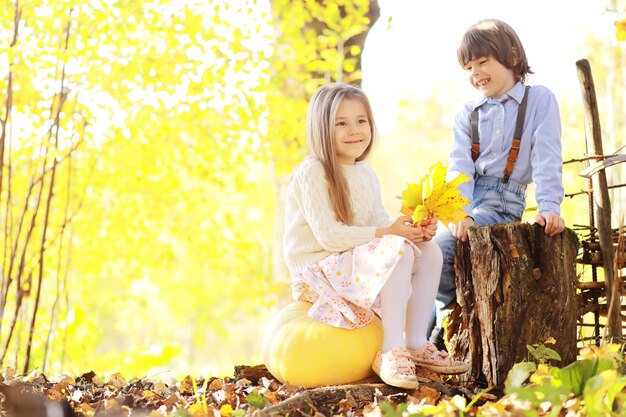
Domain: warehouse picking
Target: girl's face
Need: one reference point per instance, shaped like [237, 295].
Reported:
[352, 132]
[489, 76]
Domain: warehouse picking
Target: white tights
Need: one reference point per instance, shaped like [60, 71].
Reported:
[408, 296]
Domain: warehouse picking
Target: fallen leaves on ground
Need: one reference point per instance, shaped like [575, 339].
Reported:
[252, 391]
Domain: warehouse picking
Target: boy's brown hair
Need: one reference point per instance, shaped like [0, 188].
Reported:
[495, 38]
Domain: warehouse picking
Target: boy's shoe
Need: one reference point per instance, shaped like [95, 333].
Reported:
[429, 357]
[396, 368]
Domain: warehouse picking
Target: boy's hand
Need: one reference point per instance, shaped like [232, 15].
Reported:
[459, 230]
[553, 223]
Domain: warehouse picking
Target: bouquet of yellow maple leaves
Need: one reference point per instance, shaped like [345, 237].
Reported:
[433, 196]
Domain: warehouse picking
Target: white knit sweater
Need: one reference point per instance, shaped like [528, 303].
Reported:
[312, 231]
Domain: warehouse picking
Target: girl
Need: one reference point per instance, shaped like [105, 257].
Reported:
[346, 256]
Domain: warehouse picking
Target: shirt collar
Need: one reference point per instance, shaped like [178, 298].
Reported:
[517, 93]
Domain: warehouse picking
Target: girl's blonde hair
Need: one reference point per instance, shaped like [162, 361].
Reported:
[320, 133]
[492, 37]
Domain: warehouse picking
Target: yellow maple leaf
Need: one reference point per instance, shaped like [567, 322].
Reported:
[411, 198]
[419, 214]
[439, 198]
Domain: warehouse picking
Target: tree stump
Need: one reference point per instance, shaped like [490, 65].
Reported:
[516, 286]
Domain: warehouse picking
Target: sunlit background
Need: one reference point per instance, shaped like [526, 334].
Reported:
[162, 133]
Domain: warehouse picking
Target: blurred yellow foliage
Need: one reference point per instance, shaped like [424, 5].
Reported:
[620, 30]
[169, 127]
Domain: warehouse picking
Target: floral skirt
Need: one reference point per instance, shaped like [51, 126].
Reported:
[344, 287]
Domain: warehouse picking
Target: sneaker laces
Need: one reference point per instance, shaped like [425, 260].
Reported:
[429, 354]
[431, 349]
[402, 360]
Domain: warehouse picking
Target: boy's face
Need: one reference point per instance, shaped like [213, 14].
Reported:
[489, 76]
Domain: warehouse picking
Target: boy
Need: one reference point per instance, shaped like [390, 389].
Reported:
[500, 154]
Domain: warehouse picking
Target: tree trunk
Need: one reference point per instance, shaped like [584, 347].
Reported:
[516, 286]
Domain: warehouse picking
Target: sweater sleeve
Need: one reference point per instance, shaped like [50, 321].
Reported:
[315, 205]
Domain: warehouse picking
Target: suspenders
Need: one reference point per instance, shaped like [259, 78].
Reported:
[517, 136]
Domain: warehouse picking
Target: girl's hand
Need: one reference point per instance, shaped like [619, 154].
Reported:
[429, 228]
[459, 230]
[403, 226]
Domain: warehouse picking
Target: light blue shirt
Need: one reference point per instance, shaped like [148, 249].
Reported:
[539, 158]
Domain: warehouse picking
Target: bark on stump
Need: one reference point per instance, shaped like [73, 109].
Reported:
[516, 286]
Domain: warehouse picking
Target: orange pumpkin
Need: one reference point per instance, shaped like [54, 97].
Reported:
[301, 351]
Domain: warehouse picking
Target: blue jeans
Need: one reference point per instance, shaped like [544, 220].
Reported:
[494, 202]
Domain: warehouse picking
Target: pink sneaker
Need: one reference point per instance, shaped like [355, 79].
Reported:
[429, 357]
[396, 368]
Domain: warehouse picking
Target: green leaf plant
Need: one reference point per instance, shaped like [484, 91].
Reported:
[593, 384]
